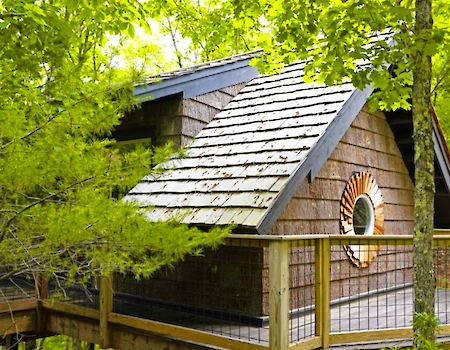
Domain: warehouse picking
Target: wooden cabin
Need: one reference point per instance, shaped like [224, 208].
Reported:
[274, 155]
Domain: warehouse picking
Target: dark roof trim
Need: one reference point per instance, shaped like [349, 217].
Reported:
[441, 150]
[198, 82]
[317, 157]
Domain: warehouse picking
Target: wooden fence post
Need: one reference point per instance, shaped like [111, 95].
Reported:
[41, 294]
[322, 290]
[279, 295]
[105, 308]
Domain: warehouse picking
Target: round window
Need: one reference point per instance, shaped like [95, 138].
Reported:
[362, 213]
[363, 216]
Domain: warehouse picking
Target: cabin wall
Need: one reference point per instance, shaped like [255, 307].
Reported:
[154, 119]
[227, 280]
[198, 111]
[368, 145]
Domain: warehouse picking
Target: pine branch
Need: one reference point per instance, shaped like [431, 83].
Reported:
[41, 200]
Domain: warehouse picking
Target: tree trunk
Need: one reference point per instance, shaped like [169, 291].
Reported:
[424, 282]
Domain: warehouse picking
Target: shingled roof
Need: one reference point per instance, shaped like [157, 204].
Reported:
[246, 164]
[242, 166]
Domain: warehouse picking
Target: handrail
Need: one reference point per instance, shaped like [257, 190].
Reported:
[438, 233]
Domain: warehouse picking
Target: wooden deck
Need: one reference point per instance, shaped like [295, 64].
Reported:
[387, 310]
[128, 322]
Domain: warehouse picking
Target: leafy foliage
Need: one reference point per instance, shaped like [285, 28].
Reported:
[320, 32]
[61, 98]
[420, 320]
[205, 30]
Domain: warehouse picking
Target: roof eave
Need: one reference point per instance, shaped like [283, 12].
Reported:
[199, 82]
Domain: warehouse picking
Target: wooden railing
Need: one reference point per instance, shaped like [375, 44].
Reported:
[104, 323]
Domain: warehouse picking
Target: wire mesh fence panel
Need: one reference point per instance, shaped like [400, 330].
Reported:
[223, 292]
[86, 295]
[376, 295]
[442, 275]
[17, 289]
[302, 292]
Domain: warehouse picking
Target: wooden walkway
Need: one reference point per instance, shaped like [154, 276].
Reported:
[388, 310]
[379, 311]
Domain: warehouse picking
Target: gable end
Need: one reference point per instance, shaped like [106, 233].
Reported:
[317, 157]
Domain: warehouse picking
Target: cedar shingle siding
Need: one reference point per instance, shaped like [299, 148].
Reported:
[368, 145]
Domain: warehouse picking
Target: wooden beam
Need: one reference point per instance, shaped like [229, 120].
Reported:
[279, 295]
[246, 242]
[323, 273]
[182, 333]
[106, 307]
[373, 335]
[443, 329]
[440, 232]
[318, 290]
[389, 240]
[308, 344]
[81, 328]
[41, 294]
[123, 339]
[41, 287]
[125, 336]
[20, 321]
[71, 309]
[18, 305]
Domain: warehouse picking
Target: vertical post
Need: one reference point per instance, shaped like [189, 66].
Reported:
[322, 290]
[11, 342]
[105, 308]
[41, 286]
[318, 267]
[279, 295]
[41, 294]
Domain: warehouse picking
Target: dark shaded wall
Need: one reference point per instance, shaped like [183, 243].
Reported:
[174, 118]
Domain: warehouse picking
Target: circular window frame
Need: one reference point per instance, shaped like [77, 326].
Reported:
[362, 186]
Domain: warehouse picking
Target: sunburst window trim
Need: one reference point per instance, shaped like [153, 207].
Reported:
[362, 186]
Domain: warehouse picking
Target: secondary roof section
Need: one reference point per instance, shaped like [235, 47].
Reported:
[199, 79]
